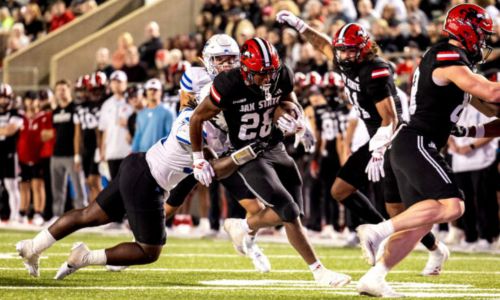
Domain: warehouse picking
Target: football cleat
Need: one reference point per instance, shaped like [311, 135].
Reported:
[436, 260]
[376, 286]
[369, 240]
[31, 259]
[259, 260]
[76, 260]
[325, 277]
[237, 235]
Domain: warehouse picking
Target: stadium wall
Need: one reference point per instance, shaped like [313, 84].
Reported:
[173, 16]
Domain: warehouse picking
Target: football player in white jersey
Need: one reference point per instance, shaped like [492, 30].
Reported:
[138, 190]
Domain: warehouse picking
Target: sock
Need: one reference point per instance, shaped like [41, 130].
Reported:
[360, 205]
[429, 241]
[244, 225]
[97, 257]
[385, 228]
[315, 266]
[42, 241]
[22, 213]
[379, 269]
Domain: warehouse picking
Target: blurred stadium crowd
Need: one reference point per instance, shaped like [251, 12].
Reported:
[148, 76]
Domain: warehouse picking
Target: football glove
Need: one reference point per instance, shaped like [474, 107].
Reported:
[305, 136]
[375, 167]
[288, 124]
[285, 16]
[202, 170]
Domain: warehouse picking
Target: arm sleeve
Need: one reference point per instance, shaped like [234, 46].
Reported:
[219, 91]
[187, 81]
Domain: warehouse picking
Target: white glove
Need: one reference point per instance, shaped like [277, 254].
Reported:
[202, 170]
[375, 167]
[284, 16]
[305, 135]
[288, 124]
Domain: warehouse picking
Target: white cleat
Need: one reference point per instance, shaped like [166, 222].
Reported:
[376, 286]
[437, 258]
[31, 260]
[76, 260]
[237, 235]
[260, 261]
[115, 268]
[369, 240]
[325, 277]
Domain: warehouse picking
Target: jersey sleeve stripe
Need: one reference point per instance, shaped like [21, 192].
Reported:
[214, 94]
[448, 55]
[380, 73]
[186, 87]
[186, 77]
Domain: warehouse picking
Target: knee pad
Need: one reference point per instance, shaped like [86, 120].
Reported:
[288, 212]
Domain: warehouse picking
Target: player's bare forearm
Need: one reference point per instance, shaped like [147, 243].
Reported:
[292, 97]
[387, 111]
[491, 129]
[320, 41]
[204, 112]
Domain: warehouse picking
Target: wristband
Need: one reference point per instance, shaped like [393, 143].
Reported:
[77, 158]
[243, 155]
[479, 131]
[198, 155]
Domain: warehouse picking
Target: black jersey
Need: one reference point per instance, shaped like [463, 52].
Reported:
[249, 115]
[88, 115]
[330, 121]
[368, 84]
[64, 120]
[433, 108]
[8, 143]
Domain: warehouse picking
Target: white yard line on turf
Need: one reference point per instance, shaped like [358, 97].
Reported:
[211, 270]
[12, 255]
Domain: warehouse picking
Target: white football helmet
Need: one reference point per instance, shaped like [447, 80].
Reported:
[220, 45]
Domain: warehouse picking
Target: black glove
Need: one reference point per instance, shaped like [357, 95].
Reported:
[459, 131]
[259, 146]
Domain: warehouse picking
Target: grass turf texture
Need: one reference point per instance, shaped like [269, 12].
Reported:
[211, 269]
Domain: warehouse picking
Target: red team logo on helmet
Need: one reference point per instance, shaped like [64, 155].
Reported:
[258, 56]
[470, 25]
[352, 36]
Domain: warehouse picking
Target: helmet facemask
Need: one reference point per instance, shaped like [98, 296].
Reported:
[221, 63]
[351, 60]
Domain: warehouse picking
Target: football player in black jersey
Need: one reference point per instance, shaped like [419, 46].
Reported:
[248, 97]
[370, 87]
[441, 87]
[10, 123]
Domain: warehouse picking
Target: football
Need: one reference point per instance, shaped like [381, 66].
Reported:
[286, 107]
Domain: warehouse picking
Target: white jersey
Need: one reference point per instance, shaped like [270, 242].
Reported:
[194, 79]
[170, 159]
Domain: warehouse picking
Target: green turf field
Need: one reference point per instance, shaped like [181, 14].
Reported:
[207, 269]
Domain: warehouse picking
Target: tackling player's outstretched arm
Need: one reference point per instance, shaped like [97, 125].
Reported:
[470, 82]
[319, 40]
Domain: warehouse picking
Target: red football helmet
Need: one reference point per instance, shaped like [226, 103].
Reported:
[351, 36]
[470, 25]
[258, 56]
[98, 80]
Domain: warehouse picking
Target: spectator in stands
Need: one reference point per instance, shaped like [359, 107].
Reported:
[176, 67]
[33, 22]
[135, 98]
[29, 149]
[237, 26]
[380, 32]
[306, 58]
[336, 11]
[6, 20]
[473, 162]
[66, 159]
[17, 39]
[292, 48]
[125, 41]
[313, 11]
[399, 8]
[153, 43]
[80, 7]
[417, 36]
[135, 69]
[366, 14]
[154, 121]
[113, 123]
[61, 15]
[416, 14]
[103, 61]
